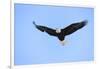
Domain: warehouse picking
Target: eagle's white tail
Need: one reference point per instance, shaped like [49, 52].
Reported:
[63, 43]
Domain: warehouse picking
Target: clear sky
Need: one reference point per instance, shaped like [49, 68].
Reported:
[35, 47]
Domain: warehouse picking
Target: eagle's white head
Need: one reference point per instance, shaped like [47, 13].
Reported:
[58, 30]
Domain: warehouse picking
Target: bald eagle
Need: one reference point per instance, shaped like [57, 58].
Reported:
[61, 33]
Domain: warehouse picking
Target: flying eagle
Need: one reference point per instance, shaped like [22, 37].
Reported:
[61, 33]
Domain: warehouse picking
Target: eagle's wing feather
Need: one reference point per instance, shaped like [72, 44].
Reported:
[73, 27]
[46, 29]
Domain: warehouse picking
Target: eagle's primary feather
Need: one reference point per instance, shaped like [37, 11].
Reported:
[46, 29]
[73, 27]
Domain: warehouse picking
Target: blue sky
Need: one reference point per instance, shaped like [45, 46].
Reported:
[35, 47]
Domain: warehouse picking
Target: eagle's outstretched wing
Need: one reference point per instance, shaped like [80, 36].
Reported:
[46, 29]
[73, 27]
